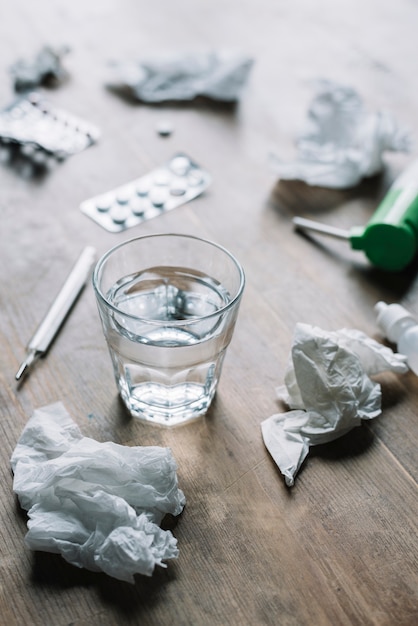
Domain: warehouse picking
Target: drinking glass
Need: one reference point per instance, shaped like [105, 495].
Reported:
[168, 305]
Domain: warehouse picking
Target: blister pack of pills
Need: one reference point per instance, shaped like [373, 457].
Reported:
[33, 124]
[161, 190]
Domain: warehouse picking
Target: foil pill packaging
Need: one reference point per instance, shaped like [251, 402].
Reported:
[176, 182]
[36, 126]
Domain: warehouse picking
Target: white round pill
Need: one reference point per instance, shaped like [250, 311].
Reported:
[161, 178]
[178, 188]
[138, 206]
[123, 196]
[180, 165]
[119, 214]
[158, 197]
[164, 128]
[104, 203]
[143, 187]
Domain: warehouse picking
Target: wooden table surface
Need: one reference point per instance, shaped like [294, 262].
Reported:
[340, 547]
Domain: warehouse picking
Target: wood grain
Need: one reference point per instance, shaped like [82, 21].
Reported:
[340, 548]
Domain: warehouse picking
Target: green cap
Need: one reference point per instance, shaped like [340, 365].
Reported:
[388, 246]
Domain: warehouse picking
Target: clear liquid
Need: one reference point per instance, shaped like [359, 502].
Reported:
[167, 359]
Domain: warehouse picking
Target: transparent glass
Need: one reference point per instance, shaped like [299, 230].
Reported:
[168, 305]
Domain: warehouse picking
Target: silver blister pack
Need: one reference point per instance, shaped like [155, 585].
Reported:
[161, 190]
[33, 121]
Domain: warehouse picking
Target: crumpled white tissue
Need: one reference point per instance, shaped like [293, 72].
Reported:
[44, 67]
[328, 389]
[341, 142]
[99, 505]
[217, 75]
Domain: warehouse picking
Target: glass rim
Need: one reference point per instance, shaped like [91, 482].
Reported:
[97, 272]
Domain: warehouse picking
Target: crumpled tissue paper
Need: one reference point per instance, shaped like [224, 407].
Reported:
[45, 67]
[217, 75]
[99, 505]
[341, 142]
[328, 389]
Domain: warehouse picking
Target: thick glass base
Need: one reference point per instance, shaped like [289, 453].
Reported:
[167, 406]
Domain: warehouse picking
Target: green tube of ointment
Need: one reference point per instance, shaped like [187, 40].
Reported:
[390, 238]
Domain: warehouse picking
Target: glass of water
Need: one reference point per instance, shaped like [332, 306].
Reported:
[168, 305]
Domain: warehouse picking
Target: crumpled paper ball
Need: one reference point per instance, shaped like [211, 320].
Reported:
[218, 75]
[341, 142]
[99, 505]
[329, 391]
[45, 67]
